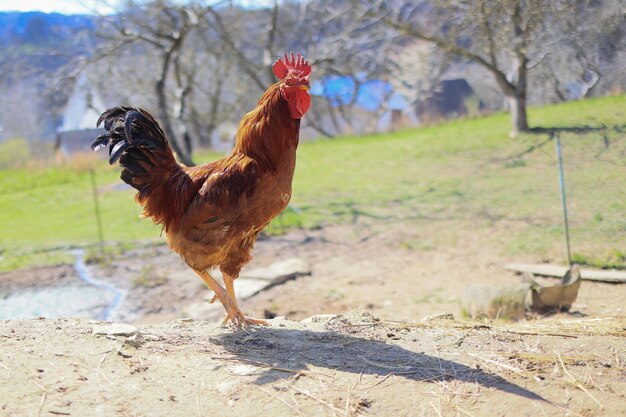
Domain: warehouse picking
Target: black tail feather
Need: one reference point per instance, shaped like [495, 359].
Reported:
[116, 151]
[100, 142]
[135, 139]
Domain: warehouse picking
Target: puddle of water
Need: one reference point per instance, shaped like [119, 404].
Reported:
[54, 302]
[97, 300]
[84, 274]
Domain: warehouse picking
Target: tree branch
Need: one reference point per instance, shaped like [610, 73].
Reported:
[508, 87]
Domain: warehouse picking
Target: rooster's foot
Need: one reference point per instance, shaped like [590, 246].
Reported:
[239, 320]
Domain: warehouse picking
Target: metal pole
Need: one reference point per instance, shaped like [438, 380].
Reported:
[96, 205]
[563, 200]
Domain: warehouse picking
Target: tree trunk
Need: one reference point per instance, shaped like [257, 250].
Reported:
[166, 122]
[516, 94]
[517, 107]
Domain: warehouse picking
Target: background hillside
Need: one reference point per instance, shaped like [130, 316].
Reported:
[39, 51]
[375, 69]
[467, 174]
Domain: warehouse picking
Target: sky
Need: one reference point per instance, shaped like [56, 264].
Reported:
[85, 6]
[61, 6]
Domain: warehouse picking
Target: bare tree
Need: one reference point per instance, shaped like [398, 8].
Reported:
[160, 29]
[419, 69]
[506, 37]
[597, 44]
[336, 42]
[207, 64]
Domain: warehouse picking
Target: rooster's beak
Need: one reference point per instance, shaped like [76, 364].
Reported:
[305, 87]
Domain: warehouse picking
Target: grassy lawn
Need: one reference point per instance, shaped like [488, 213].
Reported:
[468, 172]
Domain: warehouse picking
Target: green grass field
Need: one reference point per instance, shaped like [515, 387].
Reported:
[469, 173]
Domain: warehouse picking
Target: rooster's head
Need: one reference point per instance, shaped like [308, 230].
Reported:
[294, 72]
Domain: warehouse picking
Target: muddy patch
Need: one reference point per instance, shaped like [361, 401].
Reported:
[55, 292]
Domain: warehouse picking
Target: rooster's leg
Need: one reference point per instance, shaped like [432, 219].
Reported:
[232, 311]
[230, 289]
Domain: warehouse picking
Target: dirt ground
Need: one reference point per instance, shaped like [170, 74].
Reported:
[352, 365]
[376, 359]
[396, 271]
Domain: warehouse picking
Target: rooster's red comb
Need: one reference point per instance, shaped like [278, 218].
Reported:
[295, 65]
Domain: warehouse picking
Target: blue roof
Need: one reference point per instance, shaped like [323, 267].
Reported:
[340, 89]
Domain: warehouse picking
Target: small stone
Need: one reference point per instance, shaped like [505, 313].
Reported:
[152, 337]
[135, 340]
[438, 316]
[320, 318]
[124, 353]
[114, 329]
[279, 272]
[185, 319]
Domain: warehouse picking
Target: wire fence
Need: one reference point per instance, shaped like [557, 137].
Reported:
[594, 186]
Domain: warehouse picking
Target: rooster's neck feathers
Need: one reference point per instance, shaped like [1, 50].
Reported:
[268, 132]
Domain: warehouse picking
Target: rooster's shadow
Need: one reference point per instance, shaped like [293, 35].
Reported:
[297, 350]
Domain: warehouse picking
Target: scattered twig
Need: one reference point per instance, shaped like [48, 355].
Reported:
[44, 396]
[279, 399]
[60, 413]
[99, 372]
[267, 365]
[426, 379]
[456, 325]
[502, 365]
[198, 413]
[595, 384]
[380, 382]
[457, 407]
[9, 371]
[505, 346]
[569, 336]
[576, 382]
[101, 353]
[330, 406]
[459, 341]
[567, 410]
[436, 410]
[43, 400]
[360, 324]
[402, 368]
[438, 359]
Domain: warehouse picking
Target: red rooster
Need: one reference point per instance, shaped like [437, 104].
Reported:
[213, 213]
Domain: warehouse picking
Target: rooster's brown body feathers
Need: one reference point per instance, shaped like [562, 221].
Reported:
[213, 213]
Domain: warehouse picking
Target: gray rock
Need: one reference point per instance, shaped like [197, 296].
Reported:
[279, 272]
[135, 340]
[503, 300]
[320, 318]
[438, 316]
[124, 353]
[247, 287]
[114, 329]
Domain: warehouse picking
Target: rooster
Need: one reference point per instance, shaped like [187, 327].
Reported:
[212, 214]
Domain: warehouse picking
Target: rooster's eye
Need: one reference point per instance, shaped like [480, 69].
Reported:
[289, 82]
